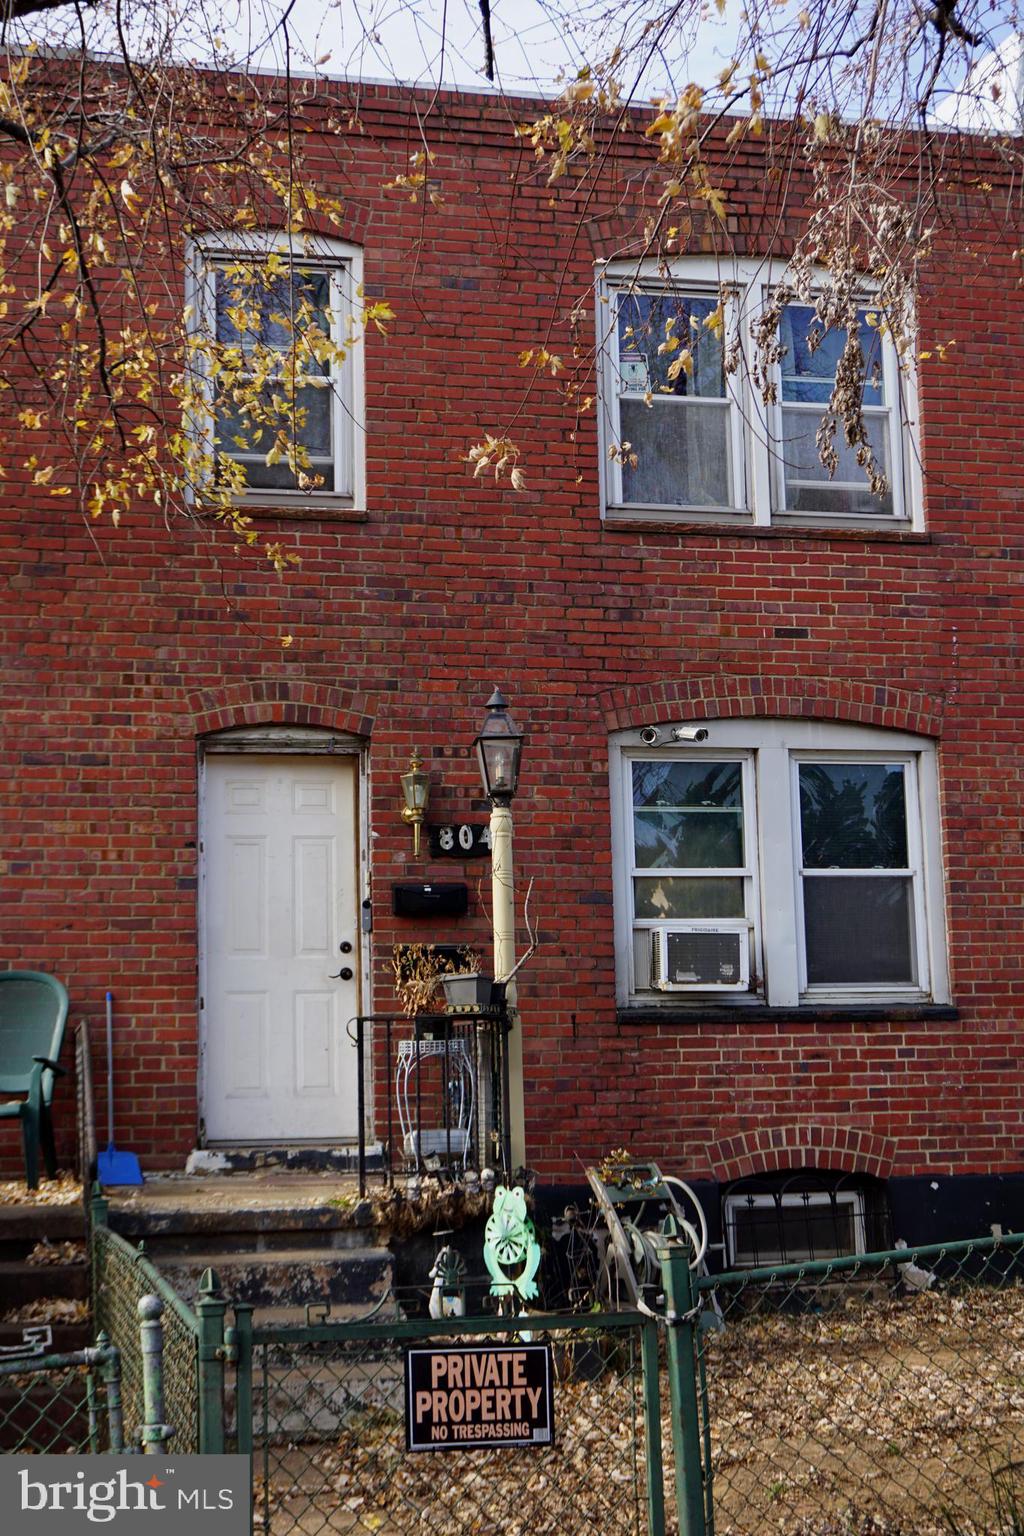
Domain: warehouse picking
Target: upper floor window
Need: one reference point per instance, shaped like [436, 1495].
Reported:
[274, 322]
[686, 434]
[781, 861]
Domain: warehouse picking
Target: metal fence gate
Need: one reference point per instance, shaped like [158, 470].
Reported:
[329, 1448]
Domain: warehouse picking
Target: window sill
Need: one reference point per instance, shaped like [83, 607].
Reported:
[761, 1013]
[619, 523]
[310, 509]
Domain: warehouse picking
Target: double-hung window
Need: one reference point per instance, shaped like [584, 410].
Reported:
[783, 862]
[274, 322]
[674, 415]
[687, 435]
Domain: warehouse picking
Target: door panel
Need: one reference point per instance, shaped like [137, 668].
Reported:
[280, 875]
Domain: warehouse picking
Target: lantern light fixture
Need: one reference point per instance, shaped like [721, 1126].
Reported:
[499, 747]
[416, 795]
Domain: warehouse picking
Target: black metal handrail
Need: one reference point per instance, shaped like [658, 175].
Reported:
[482, 1036]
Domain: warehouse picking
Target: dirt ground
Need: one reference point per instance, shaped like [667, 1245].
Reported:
[894, 1417]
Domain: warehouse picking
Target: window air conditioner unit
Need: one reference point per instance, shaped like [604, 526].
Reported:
[701, 957]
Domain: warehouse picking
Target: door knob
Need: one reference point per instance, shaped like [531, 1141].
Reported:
[345, 974]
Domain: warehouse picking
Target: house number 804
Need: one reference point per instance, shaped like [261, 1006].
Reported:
[466, 840]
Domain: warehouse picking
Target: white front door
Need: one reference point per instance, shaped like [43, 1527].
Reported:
[280, 915]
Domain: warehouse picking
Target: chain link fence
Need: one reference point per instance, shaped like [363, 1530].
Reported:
[880, 1396]
[61, 1404]
[121, 1277]
[330, 1450]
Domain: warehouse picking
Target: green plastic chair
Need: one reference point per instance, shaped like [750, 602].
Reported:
[33, 1013]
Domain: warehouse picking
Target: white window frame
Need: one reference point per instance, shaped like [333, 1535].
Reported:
[700, 280]
[748, 873]
[754, 427]
[343, 262]
[818, 1197]
[773, 751]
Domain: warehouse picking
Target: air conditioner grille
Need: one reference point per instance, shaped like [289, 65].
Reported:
[697, 957]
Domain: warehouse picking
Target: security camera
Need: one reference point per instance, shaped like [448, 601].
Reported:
[652, 736]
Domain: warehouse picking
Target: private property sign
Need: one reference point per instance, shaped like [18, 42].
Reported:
[478, 1396]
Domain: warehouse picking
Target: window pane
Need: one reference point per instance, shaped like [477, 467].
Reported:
[858, 930]
[688, 839]
[678, 896]
[257, 309]
[688, 815]
[683, 453]
[848, 490]
[853, 816]
[310, 420]
[791, 1231]
[649, 321]
[809, 364]
[674, 783]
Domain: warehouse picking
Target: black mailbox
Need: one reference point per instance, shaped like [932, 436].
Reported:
[448, 898]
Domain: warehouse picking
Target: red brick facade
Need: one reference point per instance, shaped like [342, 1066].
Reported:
[122, 649]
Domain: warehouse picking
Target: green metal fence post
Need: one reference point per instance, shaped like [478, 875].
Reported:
[210, 1309]
[681, 1305]
[154, 1430]
[652, 1429]
[99, 1207]
[243, 1376]
[110, 1370]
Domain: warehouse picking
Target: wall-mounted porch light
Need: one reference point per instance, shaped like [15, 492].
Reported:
[416, 794]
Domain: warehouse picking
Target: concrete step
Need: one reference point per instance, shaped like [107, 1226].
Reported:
[246, 1237]
[287, 1277]
[63, 1338]
[22, 1227]
[21, 1283]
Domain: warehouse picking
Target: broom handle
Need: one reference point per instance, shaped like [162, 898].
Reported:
[110, 1069]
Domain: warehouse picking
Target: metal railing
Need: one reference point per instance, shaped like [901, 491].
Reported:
[436, 1089]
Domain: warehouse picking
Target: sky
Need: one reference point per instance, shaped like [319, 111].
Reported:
[441, 41]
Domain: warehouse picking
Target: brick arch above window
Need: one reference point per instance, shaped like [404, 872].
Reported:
[838, 1148]
[275, 702]
[725, 696]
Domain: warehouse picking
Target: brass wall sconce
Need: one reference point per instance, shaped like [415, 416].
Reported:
[415, 794]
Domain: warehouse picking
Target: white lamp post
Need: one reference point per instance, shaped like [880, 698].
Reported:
[499, 748]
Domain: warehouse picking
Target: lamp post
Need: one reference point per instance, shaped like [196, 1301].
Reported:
[499, 749]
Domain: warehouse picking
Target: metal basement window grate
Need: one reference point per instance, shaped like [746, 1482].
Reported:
[787, 1228]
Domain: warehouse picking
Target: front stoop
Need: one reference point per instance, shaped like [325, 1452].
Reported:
[280, 1241]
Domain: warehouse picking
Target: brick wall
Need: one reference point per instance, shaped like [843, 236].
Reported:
[121, 648]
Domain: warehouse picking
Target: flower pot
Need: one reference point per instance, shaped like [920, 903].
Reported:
[468, 992]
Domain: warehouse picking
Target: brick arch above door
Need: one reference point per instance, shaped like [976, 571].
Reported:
[275, 702]
[725, 695]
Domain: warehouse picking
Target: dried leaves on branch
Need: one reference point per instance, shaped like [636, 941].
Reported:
[845, 119]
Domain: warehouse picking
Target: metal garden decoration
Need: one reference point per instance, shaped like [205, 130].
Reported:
[511, 1250]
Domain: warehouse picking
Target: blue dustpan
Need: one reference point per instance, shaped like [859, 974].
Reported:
[112, 1166]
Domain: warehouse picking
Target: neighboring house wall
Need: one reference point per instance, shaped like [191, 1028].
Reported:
[125, 650]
